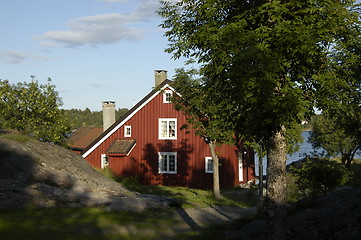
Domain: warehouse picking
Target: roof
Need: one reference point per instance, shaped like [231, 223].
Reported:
[121, 147]
[125, 117]
[83, 136]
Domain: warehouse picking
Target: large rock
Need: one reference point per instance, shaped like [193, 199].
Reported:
[336, 215]
[45, 175]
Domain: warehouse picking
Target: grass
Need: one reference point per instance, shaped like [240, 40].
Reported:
[21, 138]
[84, 223]
[190, 197]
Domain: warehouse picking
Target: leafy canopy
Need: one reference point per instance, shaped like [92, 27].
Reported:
[33, 109]
[268, 62]
[200, 113]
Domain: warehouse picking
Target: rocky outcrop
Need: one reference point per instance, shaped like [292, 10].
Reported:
[336, 215]
[45, 175]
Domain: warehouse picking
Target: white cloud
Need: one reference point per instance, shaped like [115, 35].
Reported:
[104, 28]
[16, 57]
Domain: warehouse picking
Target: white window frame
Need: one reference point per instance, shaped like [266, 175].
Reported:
[167, 133]
[165, 96]
[161, 162]
[126, 128]
[104, 162]
[207, 160]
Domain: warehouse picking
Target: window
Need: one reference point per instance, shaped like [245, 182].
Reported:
[209, 165]
[127, 131]
[104, 161]
[167, 162]
[167, 128]
[167, 95]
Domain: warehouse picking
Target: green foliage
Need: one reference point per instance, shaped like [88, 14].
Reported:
[318, 176]
[272, 61]
[330, 134]
[293, 192]
[87, 118]
[33, 109]
[200, 113]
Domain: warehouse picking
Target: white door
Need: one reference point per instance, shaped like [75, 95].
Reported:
[104, 161]
[240, 168]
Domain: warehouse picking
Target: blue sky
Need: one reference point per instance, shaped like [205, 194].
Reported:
[93, 50]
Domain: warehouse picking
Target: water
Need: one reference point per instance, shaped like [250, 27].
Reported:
[305, 149]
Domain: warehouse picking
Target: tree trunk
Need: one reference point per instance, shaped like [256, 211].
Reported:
[347, 158]
[216, 188]
[276, 186]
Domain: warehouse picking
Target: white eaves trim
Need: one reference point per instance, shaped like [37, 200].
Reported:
[125, 120]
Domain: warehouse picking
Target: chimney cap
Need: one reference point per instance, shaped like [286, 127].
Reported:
[108, 102]
[160, 71]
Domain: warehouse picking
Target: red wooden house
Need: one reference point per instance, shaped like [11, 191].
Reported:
[147, 142]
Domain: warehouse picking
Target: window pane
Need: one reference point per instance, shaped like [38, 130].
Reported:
[164, 163]
[163, 129]
[168, 96]
[210, 165]
[172, 163]
[128, 131]
[171, 128]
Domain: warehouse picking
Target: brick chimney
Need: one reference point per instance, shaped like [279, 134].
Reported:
[108, 114]
[160, 76]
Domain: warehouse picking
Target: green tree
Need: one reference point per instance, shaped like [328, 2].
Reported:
[33, 109]
[201, 116]
[87, 118]
[328, 133]
[267, 64]
[317, 176]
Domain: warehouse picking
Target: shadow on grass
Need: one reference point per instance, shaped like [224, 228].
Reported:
[83, 223]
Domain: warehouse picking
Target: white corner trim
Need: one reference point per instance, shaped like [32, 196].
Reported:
[124, 121]
[131, 149]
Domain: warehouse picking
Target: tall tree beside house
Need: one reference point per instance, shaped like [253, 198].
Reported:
[33, 109]
[201, 116]
[266, 64]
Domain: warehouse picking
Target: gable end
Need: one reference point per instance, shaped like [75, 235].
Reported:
[118, 124]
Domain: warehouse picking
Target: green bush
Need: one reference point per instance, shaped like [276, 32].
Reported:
[293, 192]
[317, 176]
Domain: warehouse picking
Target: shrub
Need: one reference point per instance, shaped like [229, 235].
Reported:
[318, 176]
[293, 192]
